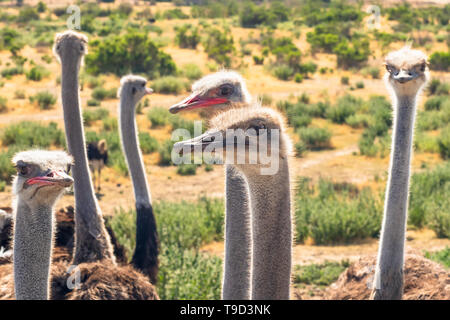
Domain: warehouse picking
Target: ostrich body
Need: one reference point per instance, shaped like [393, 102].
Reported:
[145, 257]
[97, 153]
[406, 76]
[40, 182]
[92, 242]
[216, 93]
[269, 196]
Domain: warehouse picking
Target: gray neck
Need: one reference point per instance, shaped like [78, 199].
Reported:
[272, 234]
[238, 238]
[130, 145]
[389, 274]
[33, 242]
[92, 241]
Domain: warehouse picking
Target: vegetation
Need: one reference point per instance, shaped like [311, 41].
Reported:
[32, 134]
[169, 85]
[442, 256]
[219, 46]
[187, 36]
[44, 99]
[322, 274]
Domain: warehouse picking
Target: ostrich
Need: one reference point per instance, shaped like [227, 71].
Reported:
[42, 177]
[406, 76]
[214, 93]
[97, 153]
[269, 193]
[92, 242]
[145, 257]
[101, 278]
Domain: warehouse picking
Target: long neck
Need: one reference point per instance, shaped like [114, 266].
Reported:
[272, 233]
[33, 242]
[389, 274]
[130, 145]
[145, 257]
[238, 238]
[92, 240]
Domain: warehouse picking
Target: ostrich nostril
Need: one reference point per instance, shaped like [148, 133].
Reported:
[50, 175]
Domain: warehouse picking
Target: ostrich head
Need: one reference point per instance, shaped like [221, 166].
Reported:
[242, 131]
[134, 88]
[406, 71]
[41, 176]
[70, 46]
[214, 92]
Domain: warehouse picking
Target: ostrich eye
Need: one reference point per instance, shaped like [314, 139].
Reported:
[81, 47]
[68, 168]
[225, 90]
[133, 90]
[422, 67]
[142, 85]
[24, 170]
[257, 127]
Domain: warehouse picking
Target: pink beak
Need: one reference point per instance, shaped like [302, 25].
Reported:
[148, 90]
[194, 102]
[54, 178]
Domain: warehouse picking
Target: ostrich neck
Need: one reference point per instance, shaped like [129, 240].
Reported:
[238, 238]
[389, 279]
[33, 242]
[272, 233]
[130, 144]
[92, 241]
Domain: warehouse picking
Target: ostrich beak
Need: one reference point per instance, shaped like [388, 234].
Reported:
[54, 178]
[209, 138]
[148, 90]
[195, 101]
[404, 76]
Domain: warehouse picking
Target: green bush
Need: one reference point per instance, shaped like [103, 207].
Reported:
[148, 143]
[345, 80]
[442, 256]
[27, 14]
[219, 46]
[6, 168]
[110, 124]
[11, 39]
[9, 72]
[344, 108]
[187, 36]
[32, 134]
[425, 143]
[440, 61]
[158, 117]
[300, 149]
[335, 213]
[252, 15]
[258, 60]
[131, 52]
[102, 93]
[169, 85]
[429, 120]
[315, 138]
[444, 143]
[435, 102]
[93, 103]
[44, 99]
[192, 71]
[374, 72]
[298, 78]
[436, 87]
[89, 116]
[165, 153]
[283, 72]
[174, 14]
[322, 274]
[3, 104]
[187, 169]
[19, 94]
[37, 73]
[359, 120]
[360, 85]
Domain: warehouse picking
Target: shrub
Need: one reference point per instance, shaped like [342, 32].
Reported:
[131, 52]
[11, 40]
[442, 256]
[374, 72]
[165, 153]
[32, 134]
[44, 99]
[298, 78]
[345, 107]
[9, 72]
[3, 105]
[110, 124]
[37, 73]
[93, 103]
[351, 54]
[252, 15]
[345, 80]
[430, 120]
[187, 36]
[192, 71]
[187, 169]
[89, 116]
[315, 138]
[174, 14]
[169, 85]
[102, 93]
[6, 168]
[148, 143]
[300, 149]
[19, 94]
[41, 7]
[219, 46]
[330, 213]
[158, 116]
[258, 60]
[27, 14]
[435, 102]
[283, 72]
[360, 85]
[322, 274]
[425, 143]
[444, 143]
[440, 61]
[359, 120]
